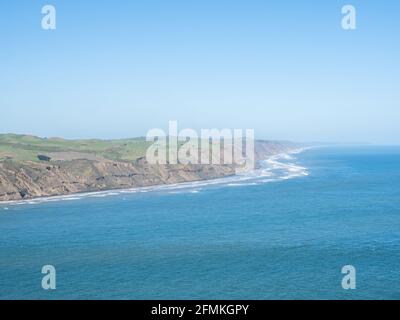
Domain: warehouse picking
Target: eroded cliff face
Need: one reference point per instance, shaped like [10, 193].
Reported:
[29, 180]
[25, 180]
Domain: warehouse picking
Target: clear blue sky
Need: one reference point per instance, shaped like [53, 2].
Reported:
[119, 68]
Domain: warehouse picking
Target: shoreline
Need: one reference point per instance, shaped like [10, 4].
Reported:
[160, 187]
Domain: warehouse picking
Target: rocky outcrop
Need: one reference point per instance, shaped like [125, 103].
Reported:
[29, 180]
[25, 180]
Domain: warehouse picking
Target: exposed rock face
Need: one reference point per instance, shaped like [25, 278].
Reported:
[24, 180]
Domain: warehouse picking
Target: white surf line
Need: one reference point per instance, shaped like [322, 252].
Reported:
[237, 180]
[294, 170]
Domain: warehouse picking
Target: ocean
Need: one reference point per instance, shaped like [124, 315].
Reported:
[282, 232]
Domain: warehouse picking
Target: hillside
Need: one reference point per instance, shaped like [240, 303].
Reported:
[36, 167]
[27, 148]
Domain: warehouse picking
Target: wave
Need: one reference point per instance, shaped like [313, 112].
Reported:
[276, 168]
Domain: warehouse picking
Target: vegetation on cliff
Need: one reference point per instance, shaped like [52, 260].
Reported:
[36, 167]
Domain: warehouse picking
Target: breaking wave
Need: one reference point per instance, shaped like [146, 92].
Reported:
[276, 168]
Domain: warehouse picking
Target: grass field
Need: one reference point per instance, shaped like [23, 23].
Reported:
[27, 148]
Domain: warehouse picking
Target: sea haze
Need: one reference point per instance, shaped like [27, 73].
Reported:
[282, 232]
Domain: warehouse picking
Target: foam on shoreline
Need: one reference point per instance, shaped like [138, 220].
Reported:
[275, 168]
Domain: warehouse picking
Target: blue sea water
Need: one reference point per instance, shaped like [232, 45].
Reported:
[284, 233]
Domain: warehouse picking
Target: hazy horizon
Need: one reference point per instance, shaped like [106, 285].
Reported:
[285, 69]
[355, 143]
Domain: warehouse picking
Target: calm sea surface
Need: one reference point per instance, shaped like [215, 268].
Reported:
[283, 233]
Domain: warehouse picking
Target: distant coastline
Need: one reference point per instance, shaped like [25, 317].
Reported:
[65, 167]
[231, 180]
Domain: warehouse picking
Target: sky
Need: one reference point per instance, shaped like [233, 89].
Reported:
[287, 69]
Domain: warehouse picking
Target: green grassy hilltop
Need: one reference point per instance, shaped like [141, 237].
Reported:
[24, 148]
[27, 148]
[33, 167]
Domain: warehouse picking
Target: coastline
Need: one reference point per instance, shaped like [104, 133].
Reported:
[261, 174]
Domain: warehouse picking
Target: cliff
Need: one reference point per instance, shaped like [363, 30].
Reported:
[59, 172]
